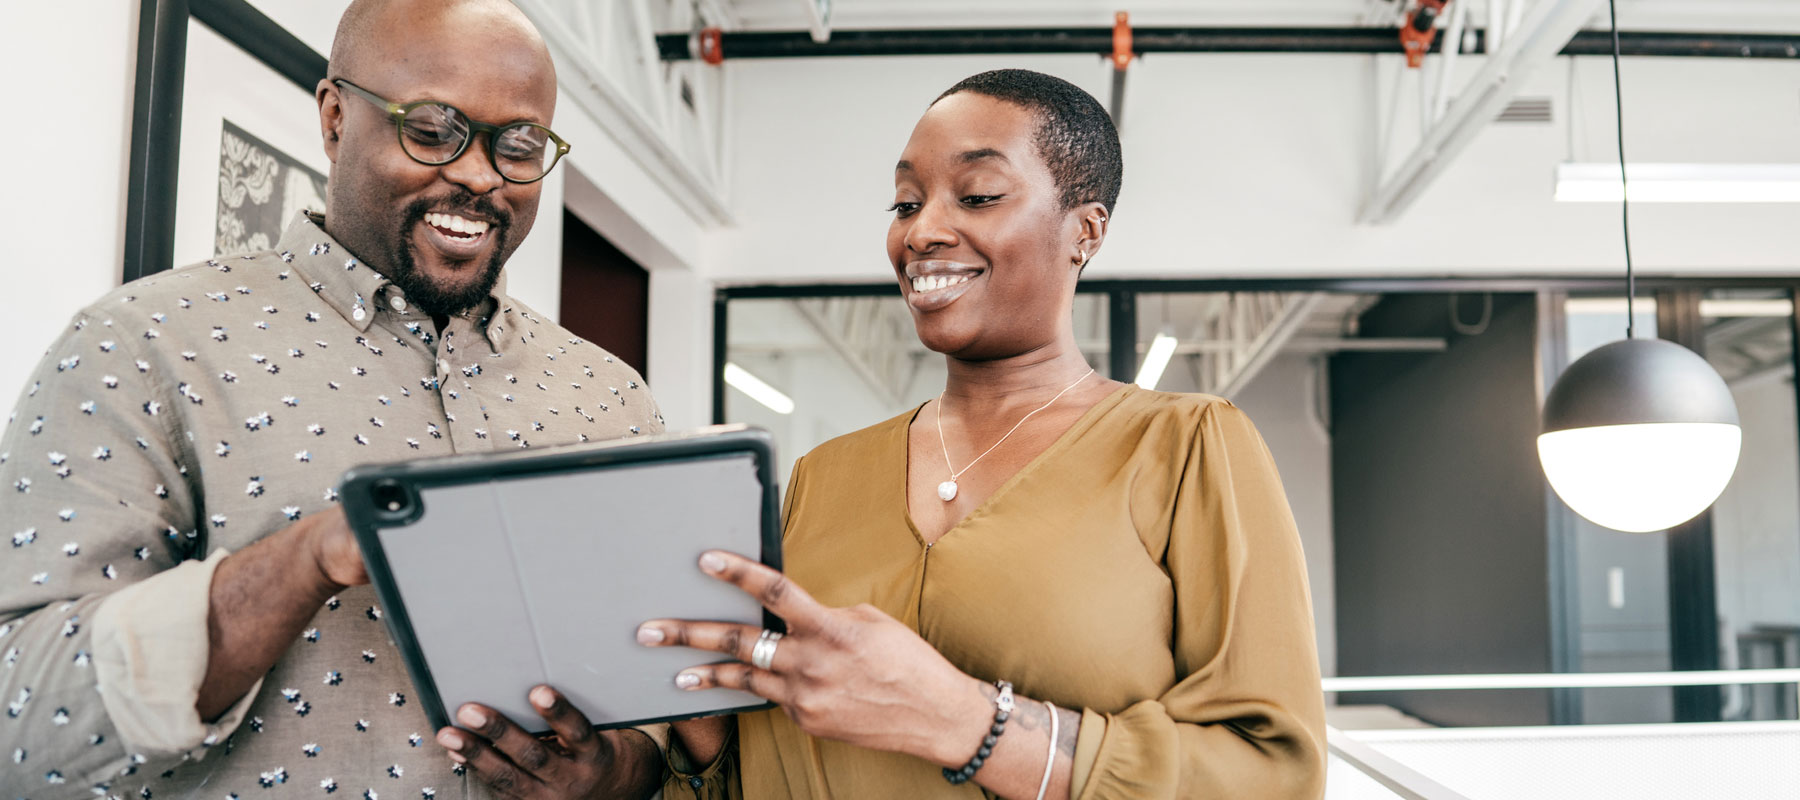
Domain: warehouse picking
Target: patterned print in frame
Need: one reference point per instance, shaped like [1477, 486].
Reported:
[261, 190]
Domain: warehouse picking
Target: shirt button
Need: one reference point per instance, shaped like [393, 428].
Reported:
[358, 314]
[443, 366]
[398, 302]
[696, 782]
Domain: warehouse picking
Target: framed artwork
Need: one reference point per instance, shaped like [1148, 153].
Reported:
[225, 137]
[261, 189]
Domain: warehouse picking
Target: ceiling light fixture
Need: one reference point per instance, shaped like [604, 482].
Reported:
[1156, 359]
[741, 380]
[1642, 434]
[1679, 183]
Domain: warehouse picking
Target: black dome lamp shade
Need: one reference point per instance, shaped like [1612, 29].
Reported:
[1642, 434]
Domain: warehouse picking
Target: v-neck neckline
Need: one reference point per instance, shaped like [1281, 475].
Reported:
[1082, 423]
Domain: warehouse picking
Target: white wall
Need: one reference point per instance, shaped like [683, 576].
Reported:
[63, 214]
[1283, 400]
[1253, 165]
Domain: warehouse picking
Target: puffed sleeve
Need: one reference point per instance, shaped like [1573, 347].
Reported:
[103, 600]
[1246, 716]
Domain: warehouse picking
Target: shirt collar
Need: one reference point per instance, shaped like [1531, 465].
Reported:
[354, 289]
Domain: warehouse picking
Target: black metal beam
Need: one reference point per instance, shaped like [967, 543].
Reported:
[1693, 589]
[1121, 336]
[1098, 41]
[1431, 283]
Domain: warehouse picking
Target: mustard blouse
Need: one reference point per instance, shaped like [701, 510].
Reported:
[1144, 569]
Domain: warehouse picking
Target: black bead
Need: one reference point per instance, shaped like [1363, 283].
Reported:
[997, 729]
[974, 764]
[984, 753]
[989, 740]
[968, 771]
[1002, 716]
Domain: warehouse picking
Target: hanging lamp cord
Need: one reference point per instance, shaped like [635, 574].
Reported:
[1624, 195]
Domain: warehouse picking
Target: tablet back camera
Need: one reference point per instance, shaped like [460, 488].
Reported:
[395, 503]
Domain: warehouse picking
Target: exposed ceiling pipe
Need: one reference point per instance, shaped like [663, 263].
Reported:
[1098, 41]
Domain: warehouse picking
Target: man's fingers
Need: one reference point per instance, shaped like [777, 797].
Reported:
[491, 767]
[770, 588]
[741, 677]
[570, 725]
[519, 748]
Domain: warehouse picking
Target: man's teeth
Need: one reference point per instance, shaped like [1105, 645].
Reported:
[456, 224]
[932, 283]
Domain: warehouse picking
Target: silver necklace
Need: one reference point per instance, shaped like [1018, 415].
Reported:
[947, 489]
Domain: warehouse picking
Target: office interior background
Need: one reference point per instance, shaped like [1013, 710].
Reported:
[1386, 266]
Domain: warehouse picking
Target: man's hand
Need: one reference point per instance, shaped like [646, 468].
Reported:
[264, 594]
[334, 548]
[576, 762]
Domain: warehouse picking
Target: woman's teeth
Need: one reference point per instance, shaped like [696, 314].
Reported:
[451, 223]
[931, 283]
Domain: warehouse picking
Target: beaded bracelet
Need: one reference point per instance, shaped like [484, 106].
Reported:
[1003, 708]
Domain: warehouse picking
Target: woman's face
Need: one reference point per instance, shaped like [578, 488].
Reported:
[983, 249]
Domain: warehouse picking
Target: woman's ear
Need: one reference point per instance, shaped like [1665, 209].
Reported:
[331, 117]
[1091, 222]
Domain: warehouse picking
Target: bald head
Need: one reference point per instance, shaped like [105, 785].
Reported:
[368, 26]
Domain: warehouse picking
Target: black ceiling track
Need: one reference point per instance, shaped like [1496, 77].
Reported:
[1099, 41]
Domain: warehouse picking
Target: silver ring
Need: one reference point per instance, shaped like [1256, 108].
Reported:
[762, 656]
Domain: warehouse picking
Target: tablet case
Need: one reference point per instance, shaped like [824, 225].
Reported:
[498, 572]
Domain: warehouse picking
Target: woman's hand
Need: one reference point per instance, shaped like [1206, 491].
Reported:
[576, 762]
[851, 674]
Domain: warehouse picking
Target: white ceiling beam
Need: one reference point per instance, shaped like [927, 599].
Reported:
[582, 73]
[1269, 342]
[1550, 26]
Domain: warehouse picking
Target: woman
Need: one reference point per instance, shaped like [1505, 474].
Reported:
[1124, 559]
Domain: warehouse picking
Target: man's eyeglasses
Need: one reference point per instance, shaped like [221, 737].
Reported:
[435, 134]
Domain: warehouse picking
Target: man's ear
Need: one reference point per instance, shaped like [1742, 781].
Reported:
[331, 117]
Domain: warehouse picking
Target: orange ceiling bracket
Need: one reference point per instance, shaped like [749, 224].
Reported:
[1420, 30]
[712, 46]
[1121, 52]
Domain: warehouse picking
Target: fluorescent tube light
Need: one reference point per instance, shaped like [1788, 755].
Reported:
[741, 380]
[1720, 308]
[1680, 183]
[1156, 360]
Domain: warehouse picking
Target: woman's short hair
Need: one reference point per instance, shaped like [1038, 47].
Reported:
[1075, 135]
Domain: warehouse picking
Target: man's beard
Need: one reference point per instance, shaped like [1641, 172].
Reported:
[433, 297]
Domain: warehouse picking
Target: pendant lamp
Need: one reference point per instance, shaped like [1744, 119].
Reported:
[1642, 434]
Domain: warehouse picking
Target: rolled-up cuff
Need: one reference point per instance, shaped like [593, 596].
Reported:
[150, 652]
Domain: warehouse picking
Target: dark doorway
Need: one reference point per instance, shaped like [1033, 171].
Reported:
[605, 295]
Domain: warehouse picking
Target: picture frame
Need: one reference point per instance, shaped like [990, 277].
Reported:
[248, 65]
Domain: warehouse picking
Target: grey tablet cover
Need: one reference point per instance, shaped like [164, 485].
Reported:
[513, 581]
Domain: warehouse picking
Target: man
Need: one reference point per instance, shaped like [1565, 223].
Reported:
[181, 612]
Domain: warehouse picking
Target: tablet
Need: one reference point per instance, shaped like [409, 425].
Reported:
[501, 571]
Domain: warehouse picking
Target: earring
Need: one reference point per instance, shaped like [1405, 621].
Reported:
[1083, 261]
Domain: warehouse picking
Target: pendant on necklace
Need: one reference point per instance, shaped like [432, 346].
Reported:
[947, 491]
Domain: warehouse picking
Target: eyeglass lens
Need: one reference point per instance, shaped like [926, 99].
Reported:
[433, 133]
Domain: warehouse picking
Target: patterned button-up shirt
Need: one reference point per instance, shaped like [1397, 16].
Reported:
[192, 413]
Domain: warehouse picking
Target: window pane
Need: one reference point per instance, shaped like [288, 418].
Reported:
[1756, 522]
[845, 363]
